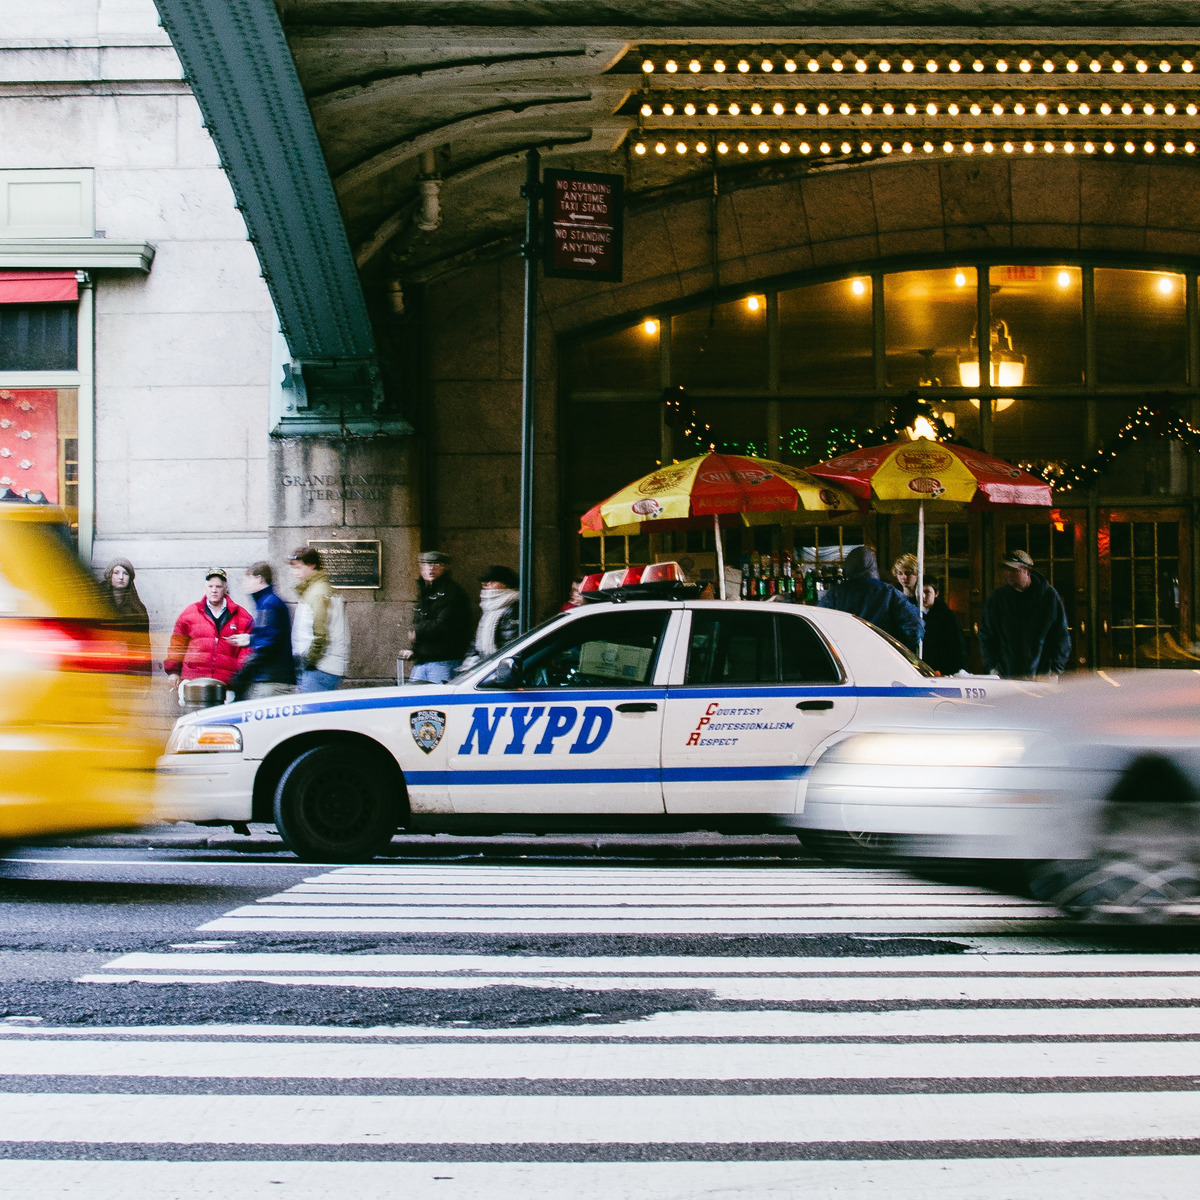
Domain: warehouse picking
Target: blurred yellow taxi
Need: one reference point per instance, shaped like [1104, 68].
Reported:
[75, 753]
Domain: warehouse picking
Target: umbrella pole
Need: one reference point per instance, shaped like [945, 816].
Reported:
[720, 555]
[920, 570]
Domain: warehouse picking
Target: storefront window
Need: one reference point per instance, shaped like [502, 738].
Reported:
[623, 361]
[1047, 430]
[610, 444]
[825, 335]
[1141, 327]
[38, 337]
[1039, 312]
[810, 430]
[929, 320]
[724, 346]
[737, 427]
[39, 440]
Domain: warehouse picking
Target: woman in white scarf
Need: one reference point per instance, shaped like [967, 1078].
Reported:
[499, 623]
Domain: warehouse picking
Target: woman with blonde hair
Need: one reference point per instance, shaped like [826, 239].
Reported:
[904, 571]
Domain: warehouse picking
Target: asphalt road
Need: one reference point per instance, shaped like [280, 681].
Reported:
[704, 1017]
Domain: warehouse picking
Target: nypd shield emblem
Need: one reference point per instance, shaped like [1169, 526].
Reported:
[427, 725]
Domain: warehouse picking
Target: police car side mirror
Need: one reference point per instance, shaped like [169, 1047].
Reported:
[507, 673]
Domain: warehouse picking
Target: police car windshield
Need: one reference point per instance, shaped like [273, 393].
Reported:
[505, 651]
[917, 664]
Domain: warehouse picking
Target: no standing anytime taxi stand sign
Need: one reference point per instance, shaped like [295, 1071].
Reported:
[583, 219]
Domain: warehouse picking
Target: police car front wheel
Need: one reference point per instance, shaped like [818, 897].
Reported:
[333, 804]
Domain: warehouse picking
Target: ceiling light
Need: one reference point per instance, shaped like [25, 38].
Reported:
[825, 147]
[928, 147]
[1042, 110]
[931, 109]
[1189, 147]
[1149, 147]
[977, 65]
[906, 65]
[1008, 147]
[931, 65]
[1130, 148]
[640, 148]
[1029, 147]
[884, 65]
[680, 148]
[955, 65]
[1089, 147]
[1072, 66]
[689, 109]
[969, 147]
[647, 66]
[752, 303]
[647, 111]
[1001, 65]
[719, 66]
[886, 147]
[660, 148]
[784, 148]
[998, 110]
[911, 109]
[701, 148]
[1106, 108]
[1191, 110]
[866, 147]
[712, 110]
[836, 64]
[1049, 147]
[975, 110]
[846, 148]
[948, 147]
[1069, 147]
[1026, 65]
[823, 109]
[1166, 285]
[844, 109]
[813, 65]
[743, 66]
[1109, 147]
[650, 325]
[722, 148]
[1118, 65]
[907, 147]
[756, 109]
[960, 279]
[803, 147]
[763, 147]
[889, 109]
[790, 65]
[694, 65]
[1169, 147]
[860, 65]
[988, 147]
[1142, 66]
[858, 287]
[1084, 109]
[1169, 109]
[742, 148]
[1187, 66]
[1063, 110]
[800, 110]
[777, 108]
[1127, 109]
[734, 109]
[952, 109]
[1048, 64]
[767, 65]
[671, 65]
[668, 110]
[1064, 279]
[1094, 64]
[1148, 109]
[1019, 109]
[867, 110]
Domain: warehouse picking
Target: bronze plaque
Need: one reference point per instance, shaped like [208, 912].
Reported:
[351, 564]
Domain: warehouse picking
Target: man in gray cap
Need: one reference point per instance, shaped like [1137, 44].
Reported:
[442, 624]
[1024, 631]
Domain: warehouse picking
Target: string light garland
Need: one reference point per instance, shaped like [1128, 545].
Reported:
[1149, 421]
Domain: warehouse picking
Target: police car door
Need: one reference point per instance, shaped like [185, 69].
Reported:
[761, 691]
[577, 729]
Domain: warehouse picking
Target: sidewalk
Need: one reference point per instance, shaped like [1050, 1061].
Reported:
[264, 840]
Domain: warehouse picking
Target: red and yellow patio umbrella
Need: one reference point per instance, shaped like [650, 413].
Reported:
[684, 495]
[931, 476]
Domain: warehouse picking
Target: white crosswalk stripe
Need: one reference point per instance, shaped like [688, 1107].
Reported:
[983, 1073]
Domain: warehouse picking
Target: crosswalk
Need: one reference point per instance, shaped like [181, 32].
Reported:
[1014, 1066]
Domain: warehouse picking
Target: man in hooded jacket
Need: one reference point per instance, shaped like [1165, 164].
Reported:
[1024, 631]
[865, 595]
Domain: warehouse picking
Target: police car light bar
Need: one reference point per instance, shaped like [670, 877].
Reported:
[655, 581]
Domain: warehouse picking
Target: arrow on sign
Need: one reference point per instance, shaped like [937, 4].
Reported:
[589, 261]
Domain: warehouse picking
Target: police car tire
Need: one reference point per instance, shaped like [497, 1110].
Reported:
[850, 849]
[332, 804]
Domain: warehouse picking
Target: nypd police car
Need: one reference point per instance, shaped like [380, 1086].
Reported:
[641, 711]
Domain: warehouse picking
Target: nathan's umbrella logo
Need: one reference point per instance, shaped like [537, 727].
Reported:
[926, 487]
[648, 507]
[427, 726]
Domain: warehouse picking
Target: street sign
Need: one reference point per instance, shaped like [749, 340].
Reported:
[583, 214]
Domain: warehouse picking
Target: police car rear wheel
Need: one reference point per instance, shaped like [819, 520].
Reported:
[852, 849]
[333, 805]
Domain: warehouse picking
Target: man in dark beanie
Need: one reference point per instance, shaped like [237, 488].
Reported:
[499, 621]
[441, 630]
[865, 595]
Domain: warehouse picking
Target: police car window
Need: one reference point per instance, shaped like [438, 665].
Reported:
[610, 649]
[729, 647]
[804, 657]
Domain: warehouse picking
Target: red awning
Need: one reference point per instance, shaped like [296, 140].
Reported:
[38, 287]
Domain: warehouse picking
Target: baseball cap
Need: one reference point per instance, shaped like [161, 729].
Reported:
[215, 572]
[434, 556]
[1018, 558]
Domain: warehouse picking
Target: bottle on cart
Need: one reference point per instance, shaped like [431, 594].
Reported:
[810, 587]
[745, 592]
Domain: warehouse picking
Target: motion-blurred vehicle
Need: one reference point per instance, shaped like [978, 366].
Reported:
[1090, 788]
[646, 709]
[74, 754]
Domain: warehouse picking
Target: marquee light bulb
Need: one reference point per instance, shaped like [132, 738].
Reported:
[671, 65]
[694, 65]
[701, 148]
[719, 66]
[647, 111]
[647, 66]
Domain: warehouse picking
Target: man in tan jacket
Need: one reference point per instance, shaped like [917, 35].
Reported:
[320, 638]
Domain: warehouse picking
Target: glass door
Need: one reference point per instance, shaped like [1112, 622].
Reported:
[1144, 602]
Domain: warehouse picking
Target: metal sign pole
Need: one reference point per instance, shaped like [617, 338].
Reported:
[529, 251]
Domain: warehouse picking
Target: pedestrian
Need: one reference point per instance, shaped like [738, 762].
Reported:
[943, 646]
[320, 636]
[499, 622]
[904, 572]
[865, 595]
[134, 620]
[1024, 632]
[442, 623]
[202, 644]
[269, 670]
[576, 597]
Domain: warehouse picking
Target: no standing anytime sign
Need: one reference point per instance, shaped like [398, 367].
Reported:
[583, 214]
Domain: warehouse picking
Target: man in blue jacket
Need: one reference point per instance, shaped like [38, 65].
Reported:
[865, 595]
[270, 669]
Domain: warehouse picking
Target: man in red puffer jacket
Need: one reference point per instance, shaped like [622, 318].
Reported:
[201, 645]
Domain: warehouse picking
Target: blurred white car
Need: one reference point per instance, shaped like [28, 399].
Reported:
[1093, 785]
[632, 714]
